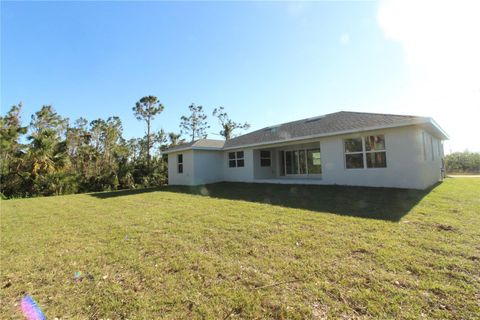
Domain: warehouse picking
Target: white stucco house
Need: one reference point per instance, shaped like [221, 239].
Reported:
[343, 148]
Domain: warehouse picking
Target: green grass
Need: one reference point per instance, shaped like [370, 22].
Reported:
[246, 251]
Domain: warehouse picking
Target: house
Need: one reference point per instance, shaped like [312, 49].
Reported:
[343, 148]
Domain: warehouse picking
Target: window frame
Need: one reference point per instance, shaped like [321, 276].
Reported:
[180, 163]
[237, 160]
[364, 152]
[269, 158]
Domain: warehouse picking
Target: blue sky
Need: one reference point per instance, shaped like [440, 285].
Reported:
[265, 62]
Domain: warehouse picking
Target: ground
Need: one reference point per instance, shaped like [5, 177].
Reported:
[230, 251]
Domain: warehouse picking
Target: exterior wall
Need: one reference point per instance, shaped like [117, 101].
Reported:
[208, 166]
[405, 165]
[242, 174]
[431, 155]
[199, 167]
[409, 164]
[185, 178]
[260, 172]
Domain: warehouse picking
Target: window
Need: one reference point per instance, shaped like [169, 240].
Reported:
[180, 163]
[304, 161]
[314, 164]
[282, 161]
[235, 159]
[366, 152]
[375, 151]
[354, 153]
[265, 158]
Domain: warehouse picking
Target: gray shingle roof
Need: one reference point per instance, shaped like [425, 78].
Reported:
[323, 125]
[329, 124]
[200, 144]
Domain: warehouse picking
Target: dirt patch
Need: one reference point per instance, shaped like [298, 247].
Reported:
[360, 251]
[445, 227]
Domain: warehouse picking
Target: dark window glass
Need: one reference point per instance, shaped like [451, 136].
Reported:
[302, 163]
[376, 160]
[180, 163]
[313, 161]
[295, 162]
[232, 163]
[231, 155]
[265, 159]
[239, 154]
[240, 163]
[289, 161]
[282, 161]
[353, 161]
[265, 162]
[353, 145]
[375, 143]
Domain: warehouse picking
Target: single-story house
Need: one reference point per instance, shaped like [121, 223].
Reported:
[343, 148]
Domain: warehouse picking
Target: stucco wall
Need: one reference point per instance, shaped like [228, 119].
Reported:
[405, 165]
[242, 174]
[185, 178]
[260, 172]
[208, 166]
[430, 157]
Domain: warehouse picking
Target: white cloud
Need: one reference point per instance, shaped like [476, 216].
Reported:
[344, 39]
[441, 42]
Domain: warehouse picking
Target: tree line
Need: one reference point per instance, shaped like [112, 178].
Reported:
[51, 156]
[463, 162]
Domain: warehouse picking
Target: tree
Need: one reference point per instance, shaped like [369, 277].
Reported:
[174, 139]
[11, 151]
[195, 125]
[47, 160]
[78, 144]
[146, 109]
[463, 162]
[59, 158]
[48, 119]
[227, 124]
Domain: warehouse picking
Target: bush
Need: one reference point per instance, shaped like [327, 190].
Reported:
[463, 162]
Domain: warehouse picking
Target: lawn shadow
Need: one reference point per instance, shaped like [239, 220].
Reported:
[375, 203]
[121, 193]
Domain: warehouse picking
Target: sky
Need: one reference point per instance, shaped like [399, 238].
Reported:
[264, 62]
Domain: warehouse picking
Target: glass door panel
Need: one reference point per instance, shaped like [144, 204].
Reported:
[302, 162]
[288, 162]
[295, 162]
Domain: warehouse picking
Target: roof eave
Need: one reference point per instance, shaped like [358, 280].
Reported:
[442, 132]
[192, 148]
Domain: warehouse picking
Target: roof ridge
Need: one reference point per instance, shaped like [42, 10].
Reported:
[381, 114]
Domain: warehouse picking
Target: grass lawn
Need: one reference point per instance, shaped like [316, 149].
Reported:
[230, 251]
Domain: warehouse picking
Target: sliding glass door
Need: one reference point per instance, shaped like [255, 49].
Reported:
[301, 162]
